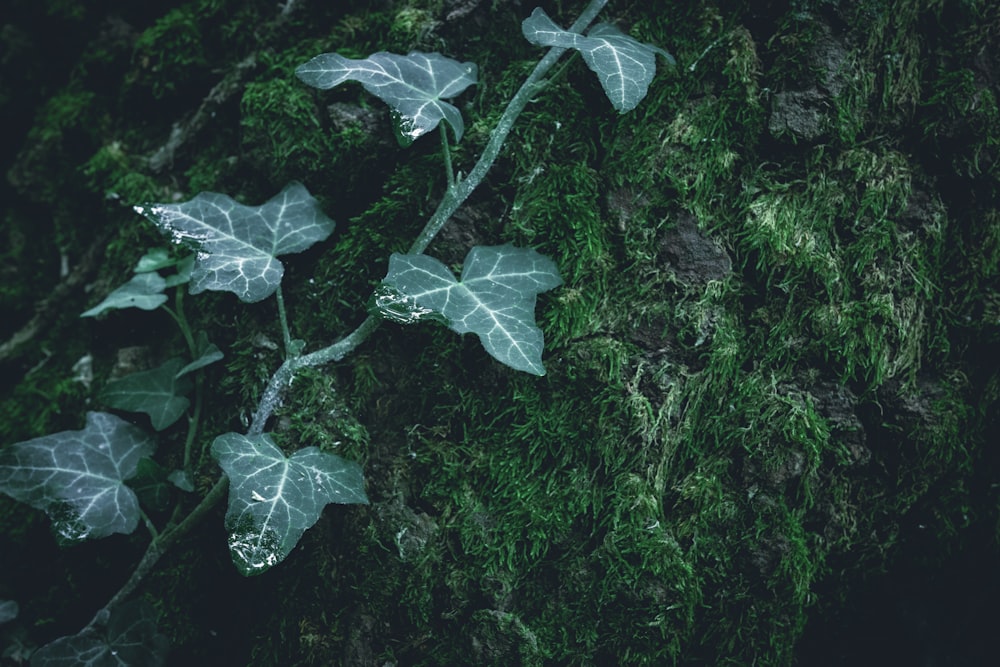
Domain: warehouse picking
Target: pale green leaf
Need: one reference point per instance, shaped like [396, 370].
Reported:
[154, 260]
[130, 639]
[274, 499]
[208, 353]
[238, 245]
[144, 290]
[158, 392]
[495, 298]
[185, 266]
[150, 485]
[8, 610]
[624, 66]
[78, 477]
[182, 480]
[414, 85]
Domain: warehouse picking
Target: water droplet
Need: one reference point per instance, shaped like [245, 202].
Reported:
[254, 552]
[406, 128]
[67, 523]
[393, 305]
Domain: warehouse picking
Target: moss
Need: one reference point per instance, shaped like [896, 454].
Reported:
[28, 268]
[171, 53]
[320, 418]
[214, 167]
[412, 30]
[500, 638]
[48, 401]
[847, 243]
[116, 173]
[65, 126]
[957, 104]
[565, 197]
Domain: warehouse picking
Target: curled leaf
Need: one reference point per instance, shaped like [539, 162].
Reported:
[144, 290]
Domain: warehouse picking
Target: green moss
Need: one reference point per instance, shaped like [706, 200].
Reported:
[871, 282]
[213, 168]
[171, 52]
[852, 113]
[565, 198]
[958, 105]
[278, 120]
[501, 638]
[411, 30]
[69, 109]
[536, 482]
[116, 173]
[320, 418]
[67, 124]
[48, 400]
[65, 9]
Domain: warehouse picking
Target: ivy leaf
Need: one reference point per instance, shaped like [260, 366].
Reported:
[274, 499]
[182, 480]
[144, 290]
[184, 267]
[208, 353]
[158, 392]
[413, 86]
[78, 477]
[150, 485]
[154, 260]
[129, 639]
[624, 66]
[495, 298]
[8, 611]
[238, 245]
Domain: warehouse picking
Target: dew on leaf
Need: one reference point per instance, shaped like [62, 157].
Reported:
[255, 551]
[406, 128]
[67, 524]
[397, 307]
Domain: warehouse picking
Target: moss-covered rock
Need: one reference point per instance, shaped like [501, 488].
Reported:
[770, 366]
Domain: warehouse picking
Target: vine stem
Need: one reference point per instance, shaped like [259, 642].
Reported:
[286, 333]
[158, 546]
[456, 194]
[446, 154]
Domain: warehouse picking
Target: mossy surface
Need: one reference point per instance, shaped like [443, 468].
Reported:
[769, 366]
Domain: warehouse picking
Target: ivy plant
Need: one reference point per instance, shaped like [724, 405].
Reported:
[102, 479]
